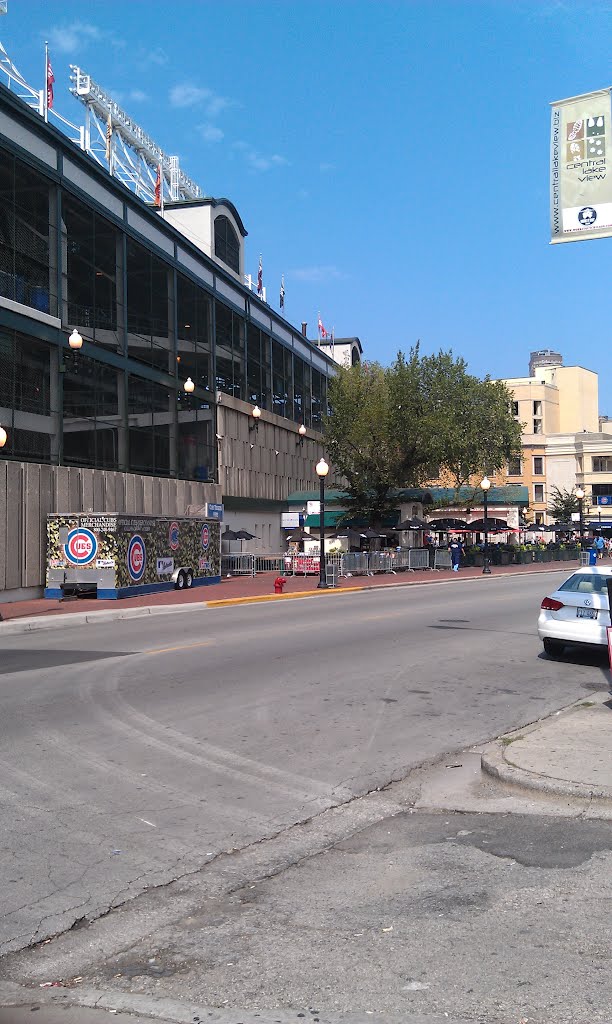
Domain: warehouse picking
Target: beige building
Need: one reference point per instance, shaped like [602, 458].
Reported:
[556, 401]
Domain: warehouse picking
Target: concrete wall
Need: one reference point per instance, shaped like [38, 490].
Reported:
[28, 492]
[267, 463]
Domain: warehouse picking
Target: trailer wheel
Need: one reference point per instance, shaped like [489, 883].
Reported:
[180, 581]
[188, 579]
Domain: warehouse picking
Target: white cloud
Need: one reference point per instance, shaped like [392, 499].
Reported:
[326, 167]
[187, 95]
[138, 96]
[78, 35]
[147, 57]
[314, 275]
[257, 161]
[217, 104]
[210, 132]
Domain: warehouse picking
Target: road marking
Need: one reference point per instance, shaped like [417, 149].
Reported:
[148, 822]
[181, 647]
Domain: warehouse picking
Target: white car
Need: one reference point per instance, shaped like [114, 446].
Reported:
[578, 612]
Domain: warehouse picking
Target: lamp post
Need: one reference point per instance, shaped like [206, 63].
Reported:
[256, 415]
[3, 437]
[322, 471]
[580, 495]
[189, 386]
[301, 434]
[485, 484]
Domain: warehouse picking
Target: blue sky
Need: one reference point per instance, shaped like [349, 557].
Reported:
[390, 158]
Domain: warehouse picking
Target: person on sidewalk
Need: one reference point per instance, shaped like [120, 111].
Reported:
[455, 547]
[599, 544]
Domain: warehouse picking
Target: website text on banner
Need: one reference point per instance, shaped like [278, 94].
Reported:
[580, 176]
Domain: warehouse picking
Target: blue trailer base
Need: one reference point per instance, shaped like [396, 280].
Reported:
[135, 591]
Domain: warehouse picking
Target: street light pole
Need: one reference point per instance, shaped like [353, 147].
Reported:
[322, 471]
[580, 496]
[485, 483]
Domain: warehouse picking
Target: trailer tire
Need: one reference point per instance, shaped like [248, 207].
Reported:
[180, 581]
[188, 579]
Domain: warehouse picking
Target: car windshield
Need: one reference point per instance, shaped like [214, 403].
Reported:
[586, 583]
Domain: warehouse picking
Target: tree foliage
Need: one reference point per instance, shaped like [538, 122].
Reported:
[561, 504]
[400, 426]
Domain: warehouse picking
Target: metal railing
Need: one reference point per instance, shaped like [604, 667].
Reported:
[442, 559]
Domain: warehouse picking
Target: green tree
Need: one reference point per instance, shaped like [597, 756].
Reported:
[363, 439]
[561, 504]
[396, 427]
[476, 432]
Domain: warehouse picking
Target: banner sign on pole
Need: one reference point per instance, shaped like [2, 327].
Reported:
[581, 168]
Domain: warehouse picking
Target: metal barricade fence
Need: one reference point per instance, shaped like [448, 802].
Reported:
[269, 563]
[354, 564]
[400, 560]
[379, 561]
[442, 559]
[418, 558]
[237, 565]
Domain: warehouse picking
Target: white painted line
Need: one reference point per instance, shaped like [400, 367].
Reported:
[148, 822]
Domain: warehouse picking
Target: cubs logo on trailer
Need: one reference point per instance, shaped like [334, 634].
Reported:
[136, 557]
[81, 547]
[205, 537]
[173, 536]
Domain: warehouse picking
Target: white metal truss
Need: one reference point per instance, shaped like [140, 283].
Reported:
[134, 156]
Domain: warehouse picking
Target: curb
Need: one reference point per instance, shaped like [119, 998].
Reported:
[493, 762]
[34, 624]
[37, 624]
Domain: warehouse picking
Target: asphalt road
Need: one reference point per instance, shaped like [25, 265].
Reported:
[132, 753]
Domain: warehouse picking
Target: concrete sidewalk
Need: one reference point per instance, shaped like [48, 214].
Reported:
[566, 755]
[43, 614]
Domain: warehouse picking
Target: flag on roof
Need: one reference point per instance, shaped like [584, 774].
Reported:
[50, 81]
[282, 292]
[109, 137]
[322, 331]
[260, 278]
[158, 187]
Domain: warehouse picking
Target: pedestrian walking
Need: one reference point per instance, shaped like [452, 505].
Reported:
[456, 548]
[600, 545]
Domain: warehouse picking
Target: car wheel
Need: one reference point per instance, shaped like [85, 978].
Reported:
[180, 581]
[188, 579]
[553, 647]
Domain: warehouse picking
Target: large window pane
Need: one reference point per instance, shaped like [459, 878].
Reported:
[151, 427]
[27, 411]
[28, 271]
[148, 285]
[93, 423]
[193, 343]
[229, 342]
[91, 255]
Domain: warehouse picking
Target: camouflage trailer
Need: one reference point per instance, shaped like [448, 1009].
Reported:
[120, 555]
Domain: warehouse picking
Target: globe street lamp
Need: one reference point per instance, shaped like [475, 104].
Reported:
[301, 433]
[485, 484]
[3, 437]
[189, 386]
[322, 471]
[580, 495]
[75, 341]
[256, 414]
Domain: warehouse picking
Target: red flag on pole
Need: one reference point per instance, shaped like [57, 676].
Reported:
[50, 81]
[322, 331]
[158, 187]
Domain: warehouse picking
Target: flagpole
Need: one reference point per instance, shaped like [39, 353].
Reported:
[46, 89]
